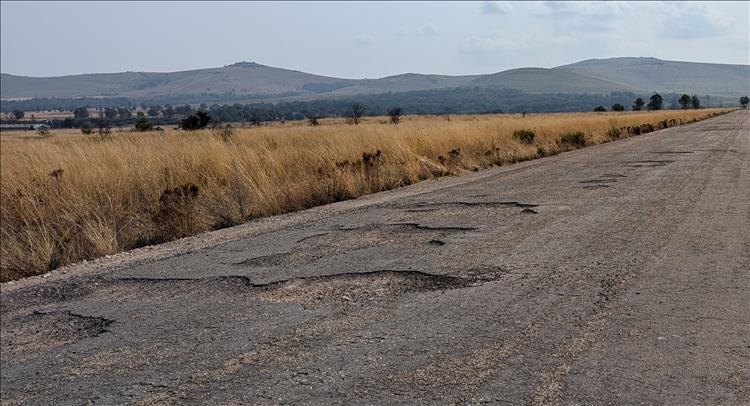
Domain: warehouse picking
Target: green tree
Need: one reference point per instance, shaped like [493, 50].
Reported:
[87, 128]
[695, 102]
[638, 104]
[600, 109]
[618, 107]
[18, 114]
[655, 102]
[684, 101]
[744, 101]
[110, 113]
[143, 124]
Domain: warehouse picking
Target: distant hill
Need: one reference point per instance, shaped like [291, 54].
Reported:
[540, 80]
[651, 74]
[253, 80]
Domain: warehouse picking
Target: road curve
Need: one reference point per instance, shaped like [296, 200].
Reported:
[615, 274]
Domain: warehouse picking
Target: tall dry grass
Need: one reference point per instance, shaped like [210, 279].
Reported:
[70, 198]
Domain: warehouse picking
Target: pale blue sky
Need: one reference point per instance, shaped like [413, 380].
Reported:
[361, 39]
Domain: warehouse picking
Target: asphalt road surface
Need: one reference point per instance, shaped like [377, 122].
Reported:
[616, 274]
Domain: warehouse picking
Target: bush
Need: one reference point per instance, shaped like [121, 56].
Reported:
[541, 151]
[43, 131]
[223, 131]
[143, 124]
[525, 136]
[313, 120]
[395, 114]
[576, 139]
[618, 107]
[196, 121]
[87, 128]
[600, 109]
[614, 133]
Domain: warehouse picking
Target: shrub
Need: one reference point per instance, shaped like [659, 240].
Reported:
[576, 139]
[43, 131]
[87, 128]
[618, 107]
[525, 136]
[599, 109]
[177, 212]
[541, 151]
[354, 113]
[196, 121]
[395, 114]
[223, 131]
[143, 124]
[313, 120]
[614, 133]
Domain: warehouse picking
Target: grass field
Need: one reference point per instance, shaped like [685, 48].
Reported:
[71, 197]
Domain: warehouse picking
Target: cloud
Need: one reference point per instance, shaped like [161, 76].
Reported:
[693, 21]
[364, 39]
[496, 7]
[583, 9]
[428, 30]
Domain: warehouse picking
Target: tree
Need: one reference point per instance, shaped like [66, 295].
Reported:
[110, 113]
[104, 128]
[684, 101]
[744, 100]
[695, 102]
[80, 112]
[196, 121]
[618, 107]
[655, 102]
[395, 114]
[18, 114]
[143, 124]
[87, 128]
[638, 104]
[599, 109]
[354, 113]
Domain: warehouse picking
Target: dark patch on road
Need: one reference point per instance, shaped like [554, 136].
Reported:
[341, 287]
[42, 330]
[434, 228]
[648, 163]
[436, 242]
[436, 206]
[671, 152]
[529, 211]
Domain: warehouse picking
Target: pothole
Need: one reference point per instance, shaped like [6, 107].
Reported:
[357, 287]
[41, 330]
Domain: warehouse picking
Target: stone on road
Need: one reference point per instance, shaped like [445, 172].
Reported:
[615, 274]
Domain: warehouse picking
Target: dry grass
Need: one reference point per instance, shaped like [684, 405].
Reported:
[70, 198]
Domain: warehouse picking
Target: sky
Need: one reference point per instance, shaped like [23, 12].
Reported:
[363, 39]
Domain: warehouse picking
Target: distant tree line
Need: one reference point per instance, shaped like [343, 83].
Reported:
[436, 102]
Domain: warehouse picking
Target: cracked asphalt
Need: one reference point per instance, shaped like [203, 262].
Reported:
[615, 274]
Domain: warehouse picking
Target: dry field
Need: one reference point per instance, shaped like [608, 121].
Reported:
[71, 197]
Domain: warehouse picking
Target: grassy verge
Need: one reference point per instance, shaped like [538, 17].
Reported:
[70, 197]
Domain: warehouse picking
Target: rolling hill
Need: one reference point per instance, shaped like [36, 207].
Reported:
[259, 81]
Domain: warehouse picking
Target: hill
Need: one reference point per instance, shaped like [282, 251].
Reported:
[651, 74]
[252, 80]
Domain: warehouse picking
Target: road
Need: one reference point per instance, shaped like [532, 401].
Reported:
[615, 274]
